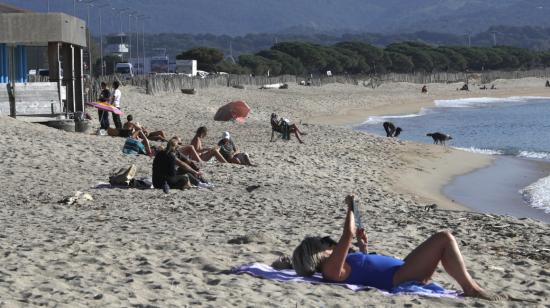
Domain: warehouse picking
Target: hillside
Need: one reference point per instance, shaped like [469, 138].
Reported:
[239, 17]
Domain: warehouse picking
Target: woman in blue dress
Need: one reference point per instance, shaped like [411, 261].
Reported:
[333, 260]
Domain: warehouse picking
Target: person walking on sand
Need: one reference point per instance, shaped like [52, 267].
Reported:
[103, 115]
[333, 260]
[115, 101]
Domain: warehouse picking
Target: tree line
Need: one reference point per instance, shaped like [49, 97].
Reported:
[354, 57]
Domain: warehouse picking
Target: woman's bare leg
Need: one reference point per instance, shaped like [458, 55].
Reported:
[421, 263]
[218, 155]
[157, 136]
[190, 151]
[296, 132]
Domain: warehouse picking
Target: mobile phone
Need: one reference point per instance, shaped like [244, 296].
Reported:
[357, 214]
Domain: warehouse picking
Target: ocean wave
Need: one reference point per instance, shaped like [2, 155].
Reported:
[536, 155]
[537, 194]
[380, 119]
[484, 101]
[480, 151]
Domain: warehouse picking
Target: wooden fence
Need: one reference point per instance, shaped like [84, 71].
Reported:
[159, 84]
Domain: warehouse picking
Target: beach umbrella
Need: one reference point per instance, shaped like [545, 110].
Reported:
[105, 106]
[237, 110]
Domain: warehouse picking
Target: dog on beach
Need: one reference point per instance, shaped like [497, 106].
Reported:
[439, 137]
[391, 130]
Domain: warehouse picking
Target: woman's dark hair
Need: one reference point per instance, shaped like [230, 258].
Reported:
[130, 118]
[201, 131]
[103, 84]
[116, 84]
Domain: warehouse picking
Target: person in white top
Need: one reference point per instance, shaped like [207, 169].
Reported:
[115, 101]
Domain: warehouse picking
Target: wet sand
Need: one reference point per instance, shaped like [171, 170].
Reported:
[495, 189]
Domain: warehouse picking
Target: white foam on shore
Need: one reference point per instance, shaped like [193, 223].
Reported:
[537, 194]
[536, 155]
[380, 119]
[484, 101]
[480, 151]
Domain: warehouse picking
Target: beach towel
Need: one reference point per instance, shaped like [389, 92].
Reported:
[410, 288]
[138, 183]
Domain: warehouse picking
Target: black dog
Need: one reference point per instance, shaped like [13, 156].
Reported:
[439, 137]
[390, 129]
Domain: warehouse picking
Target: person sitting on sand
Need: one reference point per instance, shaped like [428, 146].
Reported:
[205, 154]
[136, 144]
[333, 260]
[230, 152]
[424, 89]
[165, 165]
[277, 126]
[155, 136]
[193, 169]
[465, 87]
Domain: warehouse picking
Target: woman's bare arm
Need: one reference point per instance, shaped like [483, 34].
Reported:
[334, 267]
[196, 143]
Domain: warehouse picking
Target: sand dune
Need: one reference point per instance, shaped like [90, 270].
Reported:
[145, 248]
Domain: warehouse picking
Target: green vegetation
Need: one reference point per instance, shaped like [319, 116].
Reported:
[297, 58]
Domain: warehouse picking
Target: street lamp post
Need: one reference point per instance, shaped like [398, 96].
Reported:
[143, 40]
[101, 39]
[130, 14]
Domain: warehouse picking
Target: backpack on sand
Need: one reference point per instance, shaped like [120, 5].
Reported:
[123, 176]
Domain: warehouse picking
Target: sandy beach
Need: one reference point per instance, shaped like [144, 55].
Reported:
[143, 248]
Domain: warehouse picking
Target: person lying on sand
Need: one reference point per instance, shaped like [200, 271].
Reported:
[230, 152]
[156, 135]
[276, 126]
[333, 260]
[205, 154]
[165, 166]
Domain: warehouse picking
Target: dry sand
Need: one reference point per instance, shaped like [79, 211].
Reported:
[145, 248]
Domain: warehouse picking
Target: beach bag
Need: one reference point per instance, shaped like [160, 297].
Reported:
[123, 176]
[133, 147]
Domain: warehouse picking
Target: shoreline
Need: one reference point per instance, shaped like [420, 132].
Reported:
[498, 184]
[427, 178]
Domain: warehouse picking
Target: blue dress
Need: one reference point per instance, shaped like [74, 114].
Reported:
[372, 270]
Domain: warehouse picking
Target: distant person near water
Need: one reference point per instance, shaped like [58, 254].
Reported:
[547, 84]
[115, 101]
[336, 263]
[103, 115]
[391, 130]
[424, 89]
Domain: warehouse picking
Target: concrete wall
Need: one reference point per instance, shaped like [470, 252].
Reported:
[41, 28]
[37, 98]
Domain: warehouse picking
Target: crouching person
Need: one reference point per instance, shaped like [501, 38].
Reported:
[165, 165]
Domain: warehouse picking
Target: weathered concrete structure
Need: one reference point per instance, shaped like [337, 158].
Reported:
[65, 37]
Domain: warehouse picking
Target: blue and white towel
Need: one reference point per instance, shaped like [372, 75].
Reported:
[411, 288]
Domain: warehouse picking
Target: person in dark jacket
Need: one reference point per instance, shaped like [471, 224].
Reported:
[104, 96]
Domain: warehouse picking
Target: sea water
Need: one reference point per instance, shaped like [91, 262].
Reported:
[515, 126]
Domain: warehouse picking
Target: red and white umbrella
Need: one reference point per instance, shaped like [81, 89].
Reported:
[237, 110]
